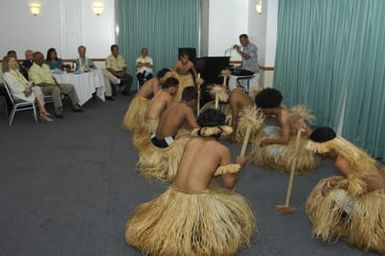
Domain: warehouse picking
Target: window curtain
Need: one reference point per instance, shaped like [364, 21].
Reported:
[330, 56]
[162, 26]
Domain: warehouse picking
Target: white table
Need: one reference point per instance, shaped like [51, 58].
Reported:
[85, 84]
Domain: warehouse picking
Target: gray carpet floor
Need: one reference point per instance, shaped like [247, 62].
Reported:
[68, 187]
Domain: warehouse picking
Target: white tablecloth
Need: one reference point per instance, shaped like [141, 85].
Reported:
[85, 84]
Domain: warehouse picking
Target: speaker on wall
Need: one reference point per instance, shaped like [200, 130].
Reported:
[191, 52]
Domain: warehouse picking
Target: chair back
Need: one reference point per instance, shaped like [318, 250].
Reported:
[9, 92]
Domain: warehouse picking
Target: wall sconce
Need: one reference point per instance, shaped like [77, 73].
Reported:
[35, 8]
[258, 7]
[98, 8]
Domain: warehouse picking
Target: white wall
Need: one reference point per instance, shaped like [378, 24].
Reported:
[230, 18]
[227, 20]
[62, 24]
[262, 29]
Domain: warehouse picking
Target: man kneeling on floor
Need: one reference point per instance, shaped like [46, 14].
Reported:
[174, 118]
[160, 158]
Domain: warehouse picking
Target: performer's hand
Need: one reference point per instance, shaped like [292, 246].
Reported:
[232, 138]
[328, 186]
[242, 161]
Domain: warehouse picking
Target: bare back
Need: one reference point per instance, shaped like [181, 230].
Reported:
[200, 159]
[238, 100]
[161, 100]
[149, 88]
[376, 180]
[173, 118]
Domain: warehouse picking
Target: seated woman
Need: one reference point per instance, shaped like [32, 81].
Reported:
[186, 74]
[274, 146]
[53, 61]
[351, 206]
[193, 216]
[22, 89]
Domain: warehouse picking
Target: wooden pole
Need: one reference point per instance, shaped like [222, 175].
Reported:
[286, 208]
[216, 101]
[199, 96]
[245, 142]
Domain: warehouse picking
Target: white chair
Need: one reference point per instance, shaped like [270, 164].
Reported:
[19, 105]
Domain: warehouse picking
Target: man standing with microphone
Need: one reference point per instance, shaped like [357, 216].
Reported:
[248, 53]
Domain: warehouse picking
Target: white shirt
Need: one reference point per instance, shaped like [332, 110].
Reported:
[146, 59]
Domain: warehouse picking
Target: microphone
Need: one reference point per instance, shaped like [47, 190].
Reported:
[229, 50]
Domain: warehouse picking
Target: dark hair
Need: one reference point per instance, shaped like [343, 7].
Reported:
[184, 53]
[243, 36]
[51, 50]
[211, 117]
[11, 52]
[170, 82]
[322, 134]
[36, 53]
[268, 98]
[114, 46]
[189, 93]
[162, 72]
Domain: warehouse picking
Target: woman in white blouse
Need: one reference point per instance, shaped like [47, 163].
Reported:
[21, 88]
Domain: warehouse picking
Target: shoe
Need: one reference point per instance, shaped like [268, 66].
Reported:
[77, 108]
[109, 98]
[60, 116]
[45, 118]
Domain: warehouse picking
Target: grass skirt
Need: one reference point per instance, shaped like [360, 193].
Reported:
[213, 222]
[358, 219]
[135, 114]
[184, 81]
[141, 137]
[280, 157]
[161, 163]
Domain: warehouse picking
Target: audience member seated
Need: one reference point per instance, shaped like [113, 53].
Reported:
[27, 63]
[82, 62]
[53, 61]
[144, 66]
[85, 64]
[21, 67]
[21, 88]
[40, 75]
[116, 66]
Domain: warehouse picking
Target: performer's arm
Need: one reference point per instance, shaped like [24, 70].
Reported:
[191, 119]
[285, 134]
[343, 166]
[193, 69]
[229, 180]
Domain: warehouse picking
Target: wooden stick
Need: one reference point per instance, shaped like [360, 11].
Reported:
[199, 101]
[224, 80]
[199, 96]
[216, 101]
[286, 208]
[245, 142]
